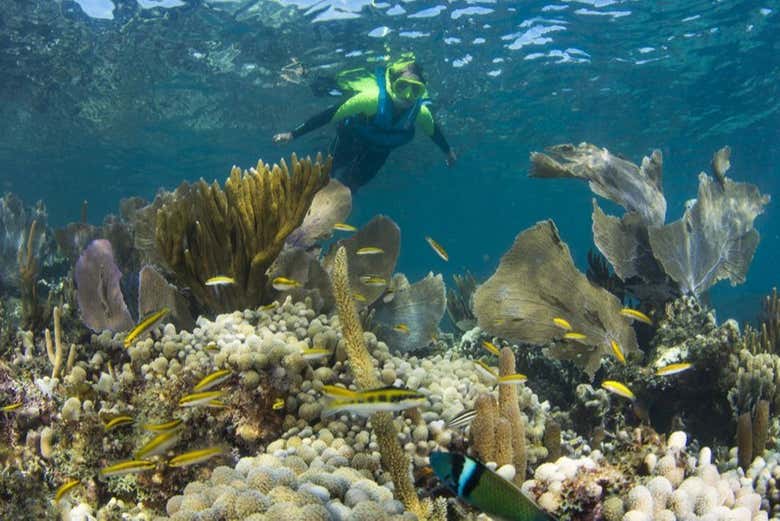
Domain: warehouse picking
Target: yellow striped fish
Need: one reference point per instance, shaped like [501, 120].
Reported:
[117, 421]
[440, 251]
[562, 323]
[635, 314]
[486, 371]
[315, 354]
[212, 380]
[268, 307]
[284, 284]
[401, 328]
[65, 488]
[334, 391]
[195, 399]
[278, 404]
[344, 227]
[127, 467]
[512, 379]
[194, 457]
[162, 427]
[11, 407]
[673, 369]
[491, 347]
[216, 404]
[577, 337]
[618, 352]
[220, 280]
[159, 444]
[145, 325]
[618, 388]
[366, 403]
[359, 297]
[370, 250]
[373, 280]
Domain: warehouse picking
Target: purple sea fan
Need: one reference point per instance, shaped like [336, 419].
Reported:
[100, 298]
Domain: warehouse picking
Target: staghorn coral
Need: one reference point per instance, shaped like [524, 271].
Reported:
[394, 459]
[100, 299]
[537, 281]
[419, 306]
[205, 230]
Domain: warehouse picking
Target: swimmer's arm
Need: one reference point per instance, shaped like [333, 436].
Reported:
[431, 129]
[315, 122]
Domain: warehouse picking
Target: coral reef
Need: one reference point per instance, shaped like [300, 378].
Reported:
[536, 282]
[204, 230]
[459, 301]
[100, 299]
[331, 205]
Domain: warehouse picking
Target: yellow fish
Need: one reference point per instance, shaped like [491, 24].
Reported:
[278, 404]
[195, 399]
[673, 369]
[127, 467]
[366, 403]
[618, 388]
[145, 325]
[440, 251]
[511, 379]
[220, 280]
[491, 347]
[117, 421]
[562, 323]
[194, 457]
[636, 315]
[401, 328]
[373, 280]
[315, 354]
[163, 427]
[64, 489]
[618, 352]
[284, 284]
[216, 404]
[159, 444]
[11, 407]
[577, 337]
[388, 296]
[344, 227]
[359, 297]
[212, 380]
[272, 305]
[486, 371]
[369, 250]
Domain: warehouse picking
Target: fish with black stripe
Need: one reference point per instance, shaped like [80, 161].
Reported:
[485, 490]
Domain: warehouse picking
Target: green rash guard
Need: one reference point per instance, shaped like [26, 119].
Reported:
[366, 103]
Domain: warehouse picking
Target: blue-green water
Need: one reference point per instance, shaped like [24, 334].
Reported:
[101, 100]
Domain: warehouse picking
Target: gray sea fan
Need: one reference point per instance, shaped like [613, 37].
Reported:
[715, 238]
[419, 307]
[331, 205]
[99, 295]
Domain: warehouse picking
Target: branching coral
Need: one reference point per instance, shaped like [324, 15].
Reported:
[394, 459]
[204, 230]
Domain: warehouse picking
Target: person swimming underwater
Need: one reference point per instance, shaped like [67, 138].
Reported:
[381, 116]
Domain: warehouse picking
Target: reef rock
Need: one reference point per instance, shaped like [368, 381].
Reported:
[100, 297]
[331, 205]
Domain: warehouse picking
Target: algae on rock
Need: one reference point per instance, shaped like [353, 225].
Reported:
[205, 230]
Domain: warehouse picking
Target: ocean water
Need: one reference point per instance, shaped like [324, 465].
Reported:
[104, 99]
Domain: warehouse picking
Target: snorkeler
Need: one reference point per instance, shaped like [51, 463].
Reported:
[379, 117]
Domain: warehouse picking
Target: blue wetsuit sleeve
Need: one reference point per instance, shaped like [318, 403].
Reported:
[318, 120]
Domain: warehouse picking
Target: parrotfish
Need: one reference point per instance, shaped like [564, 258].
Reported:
[440, 251]
[485, 490]
[145, 325]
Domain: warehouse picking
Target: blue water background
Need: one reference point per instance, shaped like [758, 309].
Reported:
[156, 96]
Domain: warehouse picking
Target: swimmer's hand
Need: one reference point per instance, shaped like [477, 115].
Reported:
[451, 158]
[284, 137]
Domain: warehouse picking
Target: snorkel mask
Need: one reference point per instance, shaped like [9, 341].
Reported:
[408, 88]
